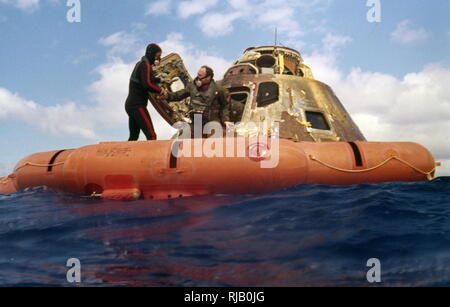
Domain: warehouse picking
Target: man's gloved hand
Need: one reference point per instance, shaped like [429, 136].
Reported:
[163, 95]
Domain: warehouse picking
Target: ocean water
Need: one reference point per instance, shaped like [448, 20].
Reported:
[307, 235]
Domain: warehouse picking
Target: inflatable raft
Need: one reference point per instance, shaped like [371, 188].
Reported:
[156, 170]
[312, 139]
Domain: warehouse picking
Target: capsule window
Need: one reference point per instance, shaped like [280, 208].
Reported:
[238, 101]
[239, 97]
[287, 71]
[266, 61]
[268, 93]
[177, 84]
[317, 120]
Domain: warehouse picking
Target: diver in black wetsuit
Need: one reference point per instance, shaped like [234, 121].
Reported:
[142, 81]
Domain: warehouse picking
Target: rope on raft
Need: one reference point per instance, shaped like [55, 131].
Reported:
[38, 165]
[428, 174]
[4, 180]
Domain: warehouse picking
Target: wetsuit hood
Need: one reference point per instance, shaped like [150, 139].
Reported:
[152, 50]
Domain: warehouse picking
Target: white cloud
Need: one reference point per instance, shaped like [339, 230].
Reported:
[323, 59]
[111, 89]
[121, 43]
[266, 14]
[240, 4]
[414, 108]
[283, 18]
[405, 33]
[324, 67]
[194, 57]
[269, 14]
[67, 119]
[218, 24]
[108, 92]
[160, 7]
[413, 102]
[194, 7]
[83, 55]
[332, 42]
[6, 169]
[26, 5]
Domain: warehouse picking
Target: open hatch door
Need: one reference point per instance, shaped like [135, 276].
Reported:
[174, 76]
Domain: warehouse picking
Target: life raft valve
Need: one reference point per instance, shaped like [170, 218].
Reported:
[95, 194]
[120, 194]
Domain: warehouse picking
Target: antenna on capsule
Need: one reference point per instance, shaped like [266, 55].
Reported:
[276, 34]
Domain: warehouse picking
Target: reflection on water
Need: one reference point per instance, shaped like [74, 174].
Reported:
[301, 236]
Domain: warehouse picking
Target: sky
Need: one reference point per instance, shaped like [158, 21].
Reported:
[63, 84]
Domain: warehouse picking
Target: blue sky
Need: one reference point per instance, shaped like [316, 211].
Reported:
[63, 85]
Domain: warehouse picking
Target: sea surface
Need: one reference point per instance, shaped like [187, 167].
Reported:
[308, 235]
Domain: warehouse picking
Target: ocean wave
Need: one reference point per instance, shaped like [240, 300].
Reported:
[303, 235]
